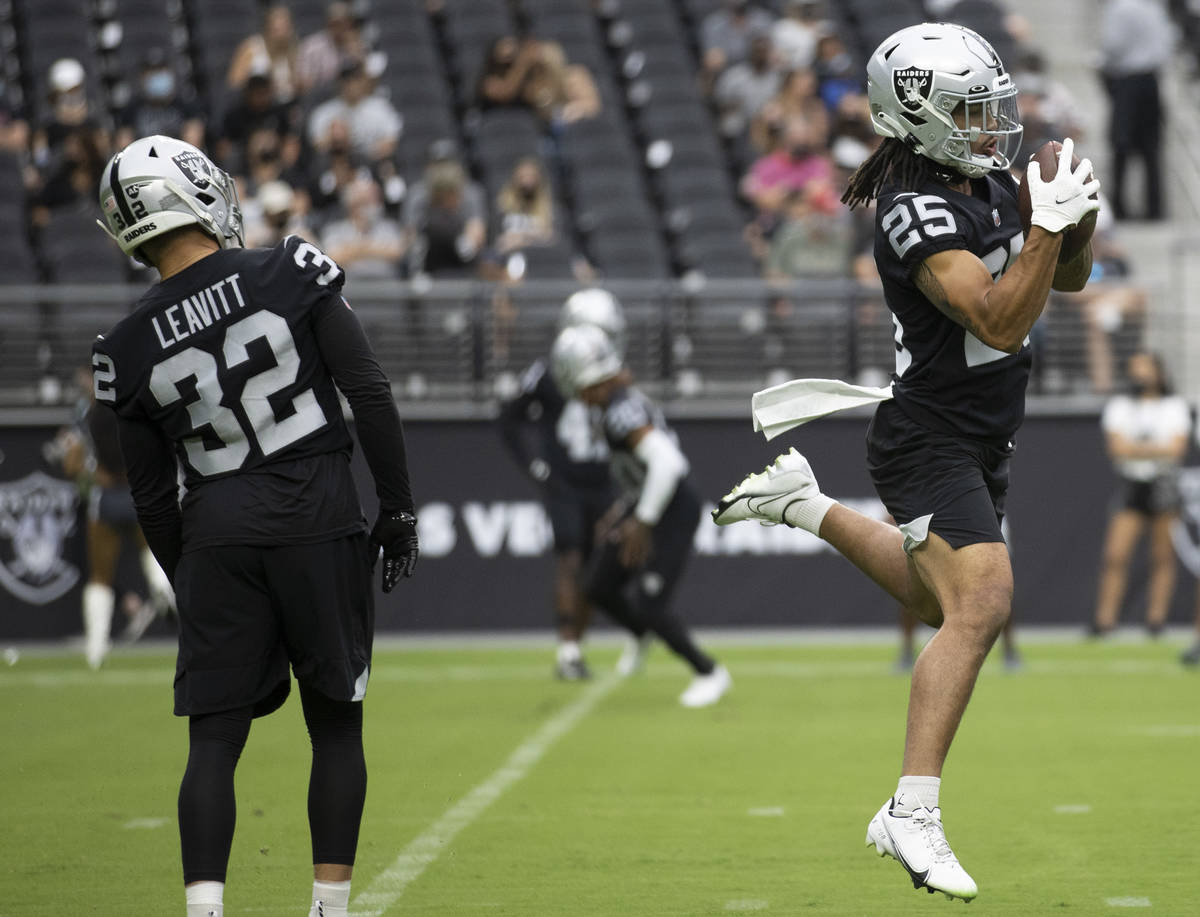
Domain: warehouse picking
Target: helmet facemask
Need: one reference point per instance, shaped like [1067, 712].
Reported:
[993, 114]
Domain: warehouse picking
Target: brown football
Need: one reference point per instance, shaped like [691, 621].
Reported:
[1077, 236]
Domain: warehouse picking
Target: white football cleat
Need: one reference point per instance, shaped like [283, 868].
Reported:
[919, 843]
[633, 658]
[706, 690]
[766, 495]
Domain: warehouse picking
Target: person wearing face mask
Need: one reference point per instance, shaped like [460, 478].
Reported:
[158, 106]
[799, 161]
[525, 208]
[367, 244]
[725, 36]
[1146, 432]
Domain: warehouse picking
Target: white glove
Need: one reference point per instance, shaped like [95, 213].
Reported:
[1066, 199]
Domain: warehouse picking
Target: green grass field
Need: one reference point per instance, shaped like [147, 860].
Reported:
[1073, 788]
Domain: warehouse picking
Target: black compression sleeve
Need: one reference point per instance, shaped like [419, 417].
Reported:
[154, 480]
[512, 422]
[357, 373]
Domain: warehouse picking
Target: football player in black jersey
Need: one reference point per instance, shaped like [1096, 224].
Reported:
[229, 367]
[570, 464]
[646, 539]
[965, 287]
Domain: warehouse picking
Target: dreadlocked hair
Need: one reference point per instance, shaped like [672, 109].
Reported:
[893, 162]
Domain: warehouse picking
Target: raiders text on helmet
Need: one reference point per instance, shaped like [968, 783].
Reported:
[158, 184]
[938, 87]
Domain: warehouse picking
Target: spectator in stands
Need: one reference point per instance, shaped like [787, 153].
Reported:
[1054, 102]
[273, 52]
[558, 92]
[274, 213]
[321, 54]
[725, 36]
[800, 161]
[525, 208]
[367, 244]
[506, 71]
[373, 123]
[745, 88]
[256, 109]
[334, 169]
[1147, 436]
[14, 129]
[445, 218]
[1136, 40]
[158, 107]
[837, 75]
[816, 236]
[796, 32]
[797, 98]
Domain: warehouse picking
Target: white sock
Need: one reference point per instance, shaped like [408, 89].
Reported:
[330, 899]
[914, 793]
[98, 603]
[204, 899]
[808, 514]
[568, 651]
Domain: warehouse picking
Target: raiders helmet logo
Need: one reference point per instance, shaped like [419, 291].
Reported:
[194, 166]
[912, 84]
[37, 513]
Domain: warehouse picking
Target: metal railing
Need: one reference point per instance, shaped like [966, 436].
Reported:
[454, 348]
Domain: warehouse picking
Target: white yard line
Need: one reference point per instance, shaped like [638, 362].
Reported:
[414, 859]
[1127, 902]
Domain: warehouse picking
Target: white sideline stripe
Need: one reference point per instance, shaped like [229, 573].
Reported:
[766, 811]
[1072, 810]
[1127, 902]
[399, 673]
[390, 884]
[747, 904]
[1170, 732]
[137, 823]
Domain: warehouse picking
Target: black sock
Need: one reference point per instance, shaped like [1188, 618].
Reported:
[207, 808]
[674, 633]
[337, 785]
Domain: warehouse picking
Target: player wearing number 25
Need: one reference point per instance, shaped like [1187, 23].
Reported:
[965, 282]
[229, 368]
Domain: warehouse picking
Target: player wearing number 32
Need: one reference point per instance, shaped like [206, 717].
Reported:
[965, 285]
[230, 367]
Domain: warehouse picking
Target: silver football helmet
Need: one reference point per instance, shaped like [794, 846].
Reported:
[594, 306]
[583, 355]
[157, 184]
[938, 87]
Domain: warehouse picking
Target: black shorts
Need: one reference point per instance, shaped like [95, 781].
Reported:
[245, 612]
[112, 506]
[961, 482]
[574, 512]
[1150, 498]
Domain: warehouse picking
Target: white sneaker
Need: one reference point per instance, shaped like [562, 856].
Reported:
[706, 690]
[765, 496]
[919, 843]
[633, 658]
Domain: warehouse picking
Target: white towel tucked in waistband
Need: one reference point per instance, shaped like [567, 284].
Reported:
[783, 407]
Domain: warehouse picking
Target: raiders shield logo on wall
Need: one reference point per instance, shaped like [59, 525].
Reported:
[194, 166]
[912, 85]
[37, 513]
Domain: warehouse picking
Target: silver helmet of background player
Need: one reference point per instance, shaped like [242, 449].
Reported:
[157, 184]
[583, 355]
[938, 87]
[594, 306]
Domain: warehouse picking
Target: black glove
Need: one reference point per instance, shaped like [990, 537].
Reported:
[396, 533]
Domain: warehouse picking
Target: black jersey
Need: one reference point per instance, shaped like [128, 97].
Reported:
[946, 378]
[232, 364]
[567, 439]
[628, 411]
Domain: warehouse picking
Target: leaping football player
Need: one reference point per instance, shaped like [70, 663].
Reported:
[965, 287]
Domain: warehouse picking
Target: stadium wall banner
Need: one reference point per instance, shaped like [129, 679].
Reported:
[486, 543]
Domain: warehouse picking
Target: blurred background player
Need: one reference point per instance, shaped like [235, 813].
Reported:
[1146, 432]
[91, 454]
[268, 553]
[569, 462]
[645, 539]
